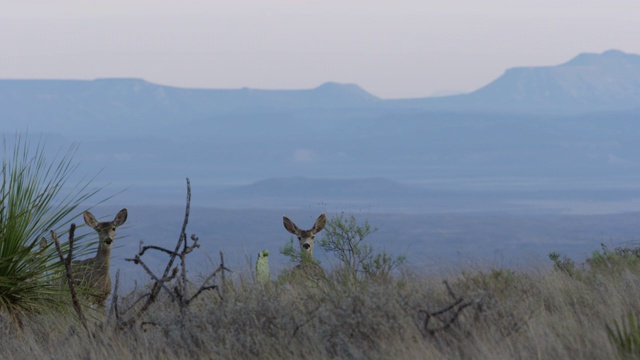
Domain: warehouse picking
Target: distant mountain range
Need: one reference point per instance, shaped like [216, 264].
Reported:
[298, 191]
[577, 120]
[106, 104]
[590, 82]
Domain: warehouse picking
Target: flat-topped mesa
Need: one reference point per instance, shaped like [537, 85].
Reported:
[306, 239]
[93, 273]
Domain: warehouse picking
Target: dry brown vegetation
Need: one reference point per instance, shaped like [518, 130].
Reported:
[502, 314]
[562, 312]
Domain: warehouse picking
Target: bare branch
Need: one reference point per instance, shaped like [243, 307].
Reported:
[181, 238]
[444, 310]
[69, 273]
[454, 308]
[203, 287]
[451, 293]
[172, 276]
[114, 300]
[223, 277]
[144, 249]
[136, 302]
[158, 282]
[177, 292]
[195, 239]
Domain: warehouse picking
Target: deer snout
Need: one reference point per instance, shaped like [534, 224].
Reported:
[108, 241]
[306, 246]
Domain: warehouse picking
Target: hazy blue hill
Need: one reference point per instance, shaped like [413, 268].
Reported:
[241, 148]
[346, 95]
[607, 81]
[298, 191]
[589, 82]
[327, 188]
[114, 106]
[152, 136]
[615, 59]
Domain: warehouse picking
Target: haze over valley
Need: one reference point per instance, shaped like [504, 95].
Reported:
[542, 159]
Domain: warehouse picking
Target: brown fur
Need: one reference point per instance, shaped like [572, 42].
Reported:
[306, 239]
[93, 273]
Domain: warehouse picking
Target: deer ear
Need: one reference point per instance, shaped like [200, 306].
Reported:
[290, 226]
[89, 219]
[120, 218]
[319, 225]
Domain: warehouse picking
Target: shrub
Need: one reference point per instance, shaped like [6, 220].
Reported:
[346, 240]
[31, 204]
[616, 260]
[563, 264]
[602, 262]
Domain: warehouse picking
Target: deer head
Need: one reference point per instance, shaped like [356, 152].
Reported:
[106, 230]
[305, 237]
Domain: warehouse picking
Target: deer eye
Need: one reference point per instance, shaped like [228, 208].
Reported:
[299, 237]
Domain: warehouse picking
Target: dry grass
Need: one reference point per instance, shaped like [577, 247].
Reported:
[509, 315]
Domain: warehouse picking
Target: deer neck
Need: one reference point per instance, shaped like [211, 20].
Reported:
[103, 256]
[307, 255]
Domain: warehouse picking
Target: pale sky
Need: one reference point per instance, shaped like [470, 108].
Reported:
[391, 48]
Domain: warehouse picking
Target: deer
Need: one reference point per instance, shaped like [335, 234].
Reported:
[306, 238]
[93, 273]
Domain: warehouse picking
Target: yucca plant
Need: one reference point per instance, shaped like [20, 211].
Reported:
[34, 199]
[626, 336]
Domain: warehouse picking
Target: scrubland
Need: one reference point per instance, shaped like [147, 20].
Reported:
[548, 313]
[370, 306]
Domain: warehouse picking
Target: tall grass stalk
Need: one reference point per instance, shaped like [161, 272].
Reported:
[626, 336]
[34, 199]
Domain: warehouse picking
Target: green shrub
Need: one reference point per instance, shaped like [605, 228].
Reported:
[605, 262]
[616, 260]
[563, 264]
[347, 241]
[32, 203]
